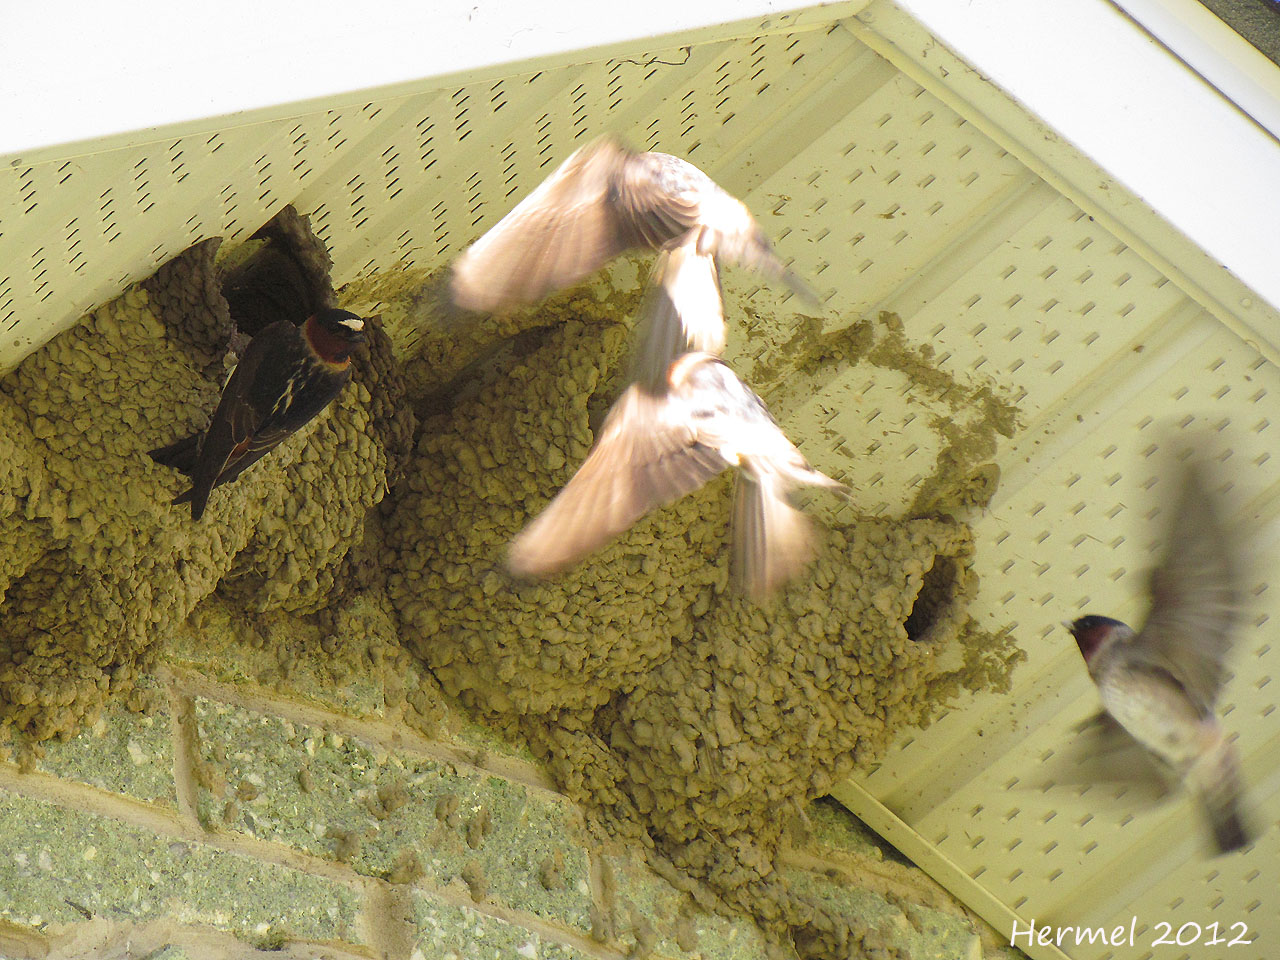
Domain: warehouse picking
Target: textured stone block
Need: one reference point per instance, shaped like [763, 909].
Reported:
[170, 952]
[918, 932]
[833, 827]
[649, 911]
[390, 814]
[447, 932]
[483, 741]
[64, 866]
[129, 752]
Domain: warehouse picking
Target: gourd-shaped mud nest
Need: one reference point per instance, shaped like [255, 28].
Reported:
[684, 717]
[95, 564]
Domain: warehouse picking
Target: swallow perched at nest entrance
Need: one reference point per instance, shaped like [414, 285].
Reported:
[1160, 685]
[288, 374]
[659, 445]
[603, 200]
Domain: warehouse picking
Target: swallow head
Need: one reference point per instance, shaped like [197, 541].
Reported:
[333, 335]
[683, 368]
[1093, 633]
[342, 323]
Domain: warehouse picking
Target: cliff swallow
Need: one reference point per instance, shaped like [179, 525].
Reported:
[287, 375]
[602, 201]
[1160, 684]
[658, 445]
[683, 312]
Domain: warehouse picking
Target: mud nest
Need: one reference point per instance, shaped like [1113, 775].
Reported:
[685, 718]
[95, 565]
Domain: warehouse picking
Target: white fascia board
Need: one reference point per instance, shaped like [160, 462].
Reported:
[1216, 52]
[83, 72]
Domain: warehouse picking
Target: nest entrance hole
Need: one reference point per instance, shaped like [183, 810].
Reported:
[284, 277]
[935, 602]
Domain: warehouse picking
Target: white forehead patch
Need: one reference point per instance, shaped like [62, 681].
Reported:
[355, 323]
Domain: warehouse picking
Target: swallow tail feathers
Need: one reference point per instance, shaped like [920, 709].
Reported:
[1215, 778]
[180, 455]
[683, 313]
[772, 540]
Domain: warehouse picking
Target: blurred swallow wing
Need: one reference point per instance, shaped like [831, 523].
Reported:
[1102, 751]
[683, 312]
[665, 198]
[1196, 595]
[563, 231]
[772, 540]
[660, 197]
[647, 455]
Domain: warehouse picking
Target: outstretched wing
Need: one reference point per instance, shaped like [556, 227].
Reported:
[660, 197]
[1196, 594]
[646, 456]
[1101, 752]
[563, 231]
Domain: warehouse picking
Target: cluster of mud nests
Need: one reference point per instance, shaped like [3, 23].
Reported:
[683, 717]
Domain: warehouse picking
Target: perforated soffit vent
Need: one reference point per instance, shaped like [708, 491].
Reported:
[900, 182]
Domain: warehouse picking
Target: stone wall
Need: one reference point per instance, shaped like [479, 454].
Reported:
[216, 815]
